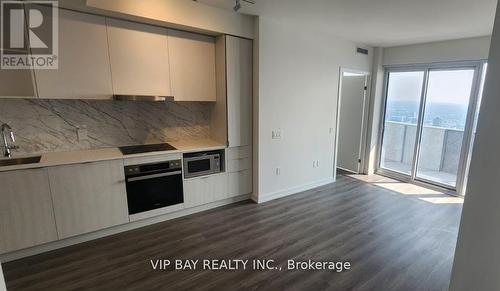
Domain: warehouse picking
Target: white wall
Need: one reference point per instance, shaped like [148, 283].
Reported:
[477, 257]
[445, 51]
[297, 91]
[181, 14]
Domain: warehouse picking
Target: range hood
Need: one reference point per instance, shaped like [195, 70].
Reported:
[143, 98]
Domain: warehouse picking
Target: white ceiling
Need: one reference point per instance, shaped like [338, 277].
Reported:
[382, 22]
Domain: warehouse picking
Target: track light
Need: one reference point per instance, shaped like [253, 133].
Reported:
[237, 5]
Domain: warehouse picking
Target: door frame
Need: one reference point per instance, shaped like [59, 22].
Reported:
[477, 66]
[364, 122]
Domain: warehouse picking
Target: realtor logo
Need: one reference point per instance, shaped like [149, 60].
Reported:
[29, 35]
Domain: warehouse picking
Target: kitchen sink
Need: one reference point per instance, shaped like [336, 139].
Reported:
[20, 161]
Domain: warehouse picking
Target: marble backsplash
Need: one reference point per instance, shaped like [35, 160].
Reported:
[51, 125]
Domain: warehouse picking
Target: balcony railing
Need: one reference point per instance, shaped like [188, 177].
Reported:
[439, 151]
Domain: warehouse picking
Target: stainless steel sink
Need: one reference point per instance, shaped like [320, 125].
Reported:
[20, 161]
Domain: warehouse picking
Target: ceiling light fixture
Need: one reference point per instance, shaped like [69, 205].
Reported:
[237, 5]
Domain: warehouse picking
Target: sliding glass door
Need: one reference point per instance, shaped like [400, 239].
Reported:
[404, 91]
[444, 120]
[428, 122]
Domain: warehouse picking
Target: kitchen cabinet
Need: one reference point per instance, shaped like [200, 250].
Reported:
[239, 183]
[84, 69]
[204, 190]
[88, 197]
[139, 58]
[17, 84]
[218, 113]
[239, 64]
[192, 65]
[239, 170]
[26, 213]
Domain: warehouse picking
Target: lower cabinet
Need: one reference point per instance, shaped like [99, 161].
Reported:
[203, 190]
[26, 213]
[88, 197]
[239, 183]
[239, 168]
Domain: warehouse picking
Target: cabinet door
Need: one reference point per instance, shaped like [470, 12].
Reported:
[192, 64]
[17, 83]
[204, 190]
[218, 187]
[239, 183]
[239, 66]
[88, 197]
[26, 213]
[194, 192]
[84, 70]
[139, 58]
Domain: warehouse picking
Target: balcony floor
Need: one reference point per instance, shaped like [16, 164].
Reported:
[436, 176]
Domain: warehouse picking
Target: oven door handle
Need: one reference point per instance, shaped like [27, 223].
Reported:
[154, 176]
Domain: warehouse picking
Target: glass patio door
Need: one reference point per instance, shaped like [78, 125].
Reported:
[404, 92]
[428, 123]
[443, 126]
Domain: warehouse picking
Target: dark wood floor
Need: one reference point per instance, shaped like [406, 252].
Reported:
[394, 241]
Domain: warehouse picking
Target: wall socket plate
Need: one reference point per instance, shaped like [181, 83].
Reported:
[277, 134]
[81, 133]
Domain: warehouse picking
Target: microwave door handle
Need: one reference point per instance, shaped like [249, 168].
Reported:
[140, 178]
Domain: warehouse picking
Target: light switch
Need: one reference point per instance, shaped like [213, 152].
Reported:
[277, 134]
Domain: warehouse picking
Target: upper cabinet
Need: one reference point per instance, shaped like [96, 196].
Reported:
[99, 57]
[239, 63]
[139, 58]
[17, 84]
[192, 65]
[84, 71]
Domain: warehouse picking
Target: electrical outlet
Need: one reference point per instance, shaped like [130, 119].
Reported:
[81, 133]
[277, 171]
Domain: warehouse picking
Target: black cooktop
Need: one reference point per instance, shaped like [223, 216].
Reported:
[139, 149]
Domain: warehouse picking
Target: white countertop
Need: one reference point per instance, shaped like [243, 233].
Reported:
[86, 156]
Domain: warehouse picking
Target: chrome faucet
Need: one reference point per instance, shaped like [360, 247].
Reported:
[4, 128]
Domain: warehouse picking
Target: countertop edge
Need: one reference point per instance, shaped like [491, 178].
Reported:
[102, 155]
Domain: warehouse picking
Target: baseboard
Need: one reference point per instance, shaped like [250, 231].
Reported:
[283, 193]
[115, 230]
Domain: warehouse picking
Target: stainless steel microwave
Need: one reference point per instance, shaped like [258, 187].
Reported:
[201, 164]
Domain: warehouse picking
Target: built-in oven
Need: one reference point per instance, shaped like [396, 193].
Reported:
[203, 163]
[153, 186]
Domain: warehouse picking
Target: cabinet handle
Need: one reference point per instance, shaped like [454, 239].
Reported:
[154, 176]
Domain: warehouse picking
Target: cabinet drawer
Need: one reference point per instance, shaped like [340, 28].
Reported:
[239, 183]
[239, 152]
[237, 165]
[204, 190]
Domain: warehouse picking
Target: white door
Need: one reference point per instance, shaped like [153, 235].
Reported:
[351, 118]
